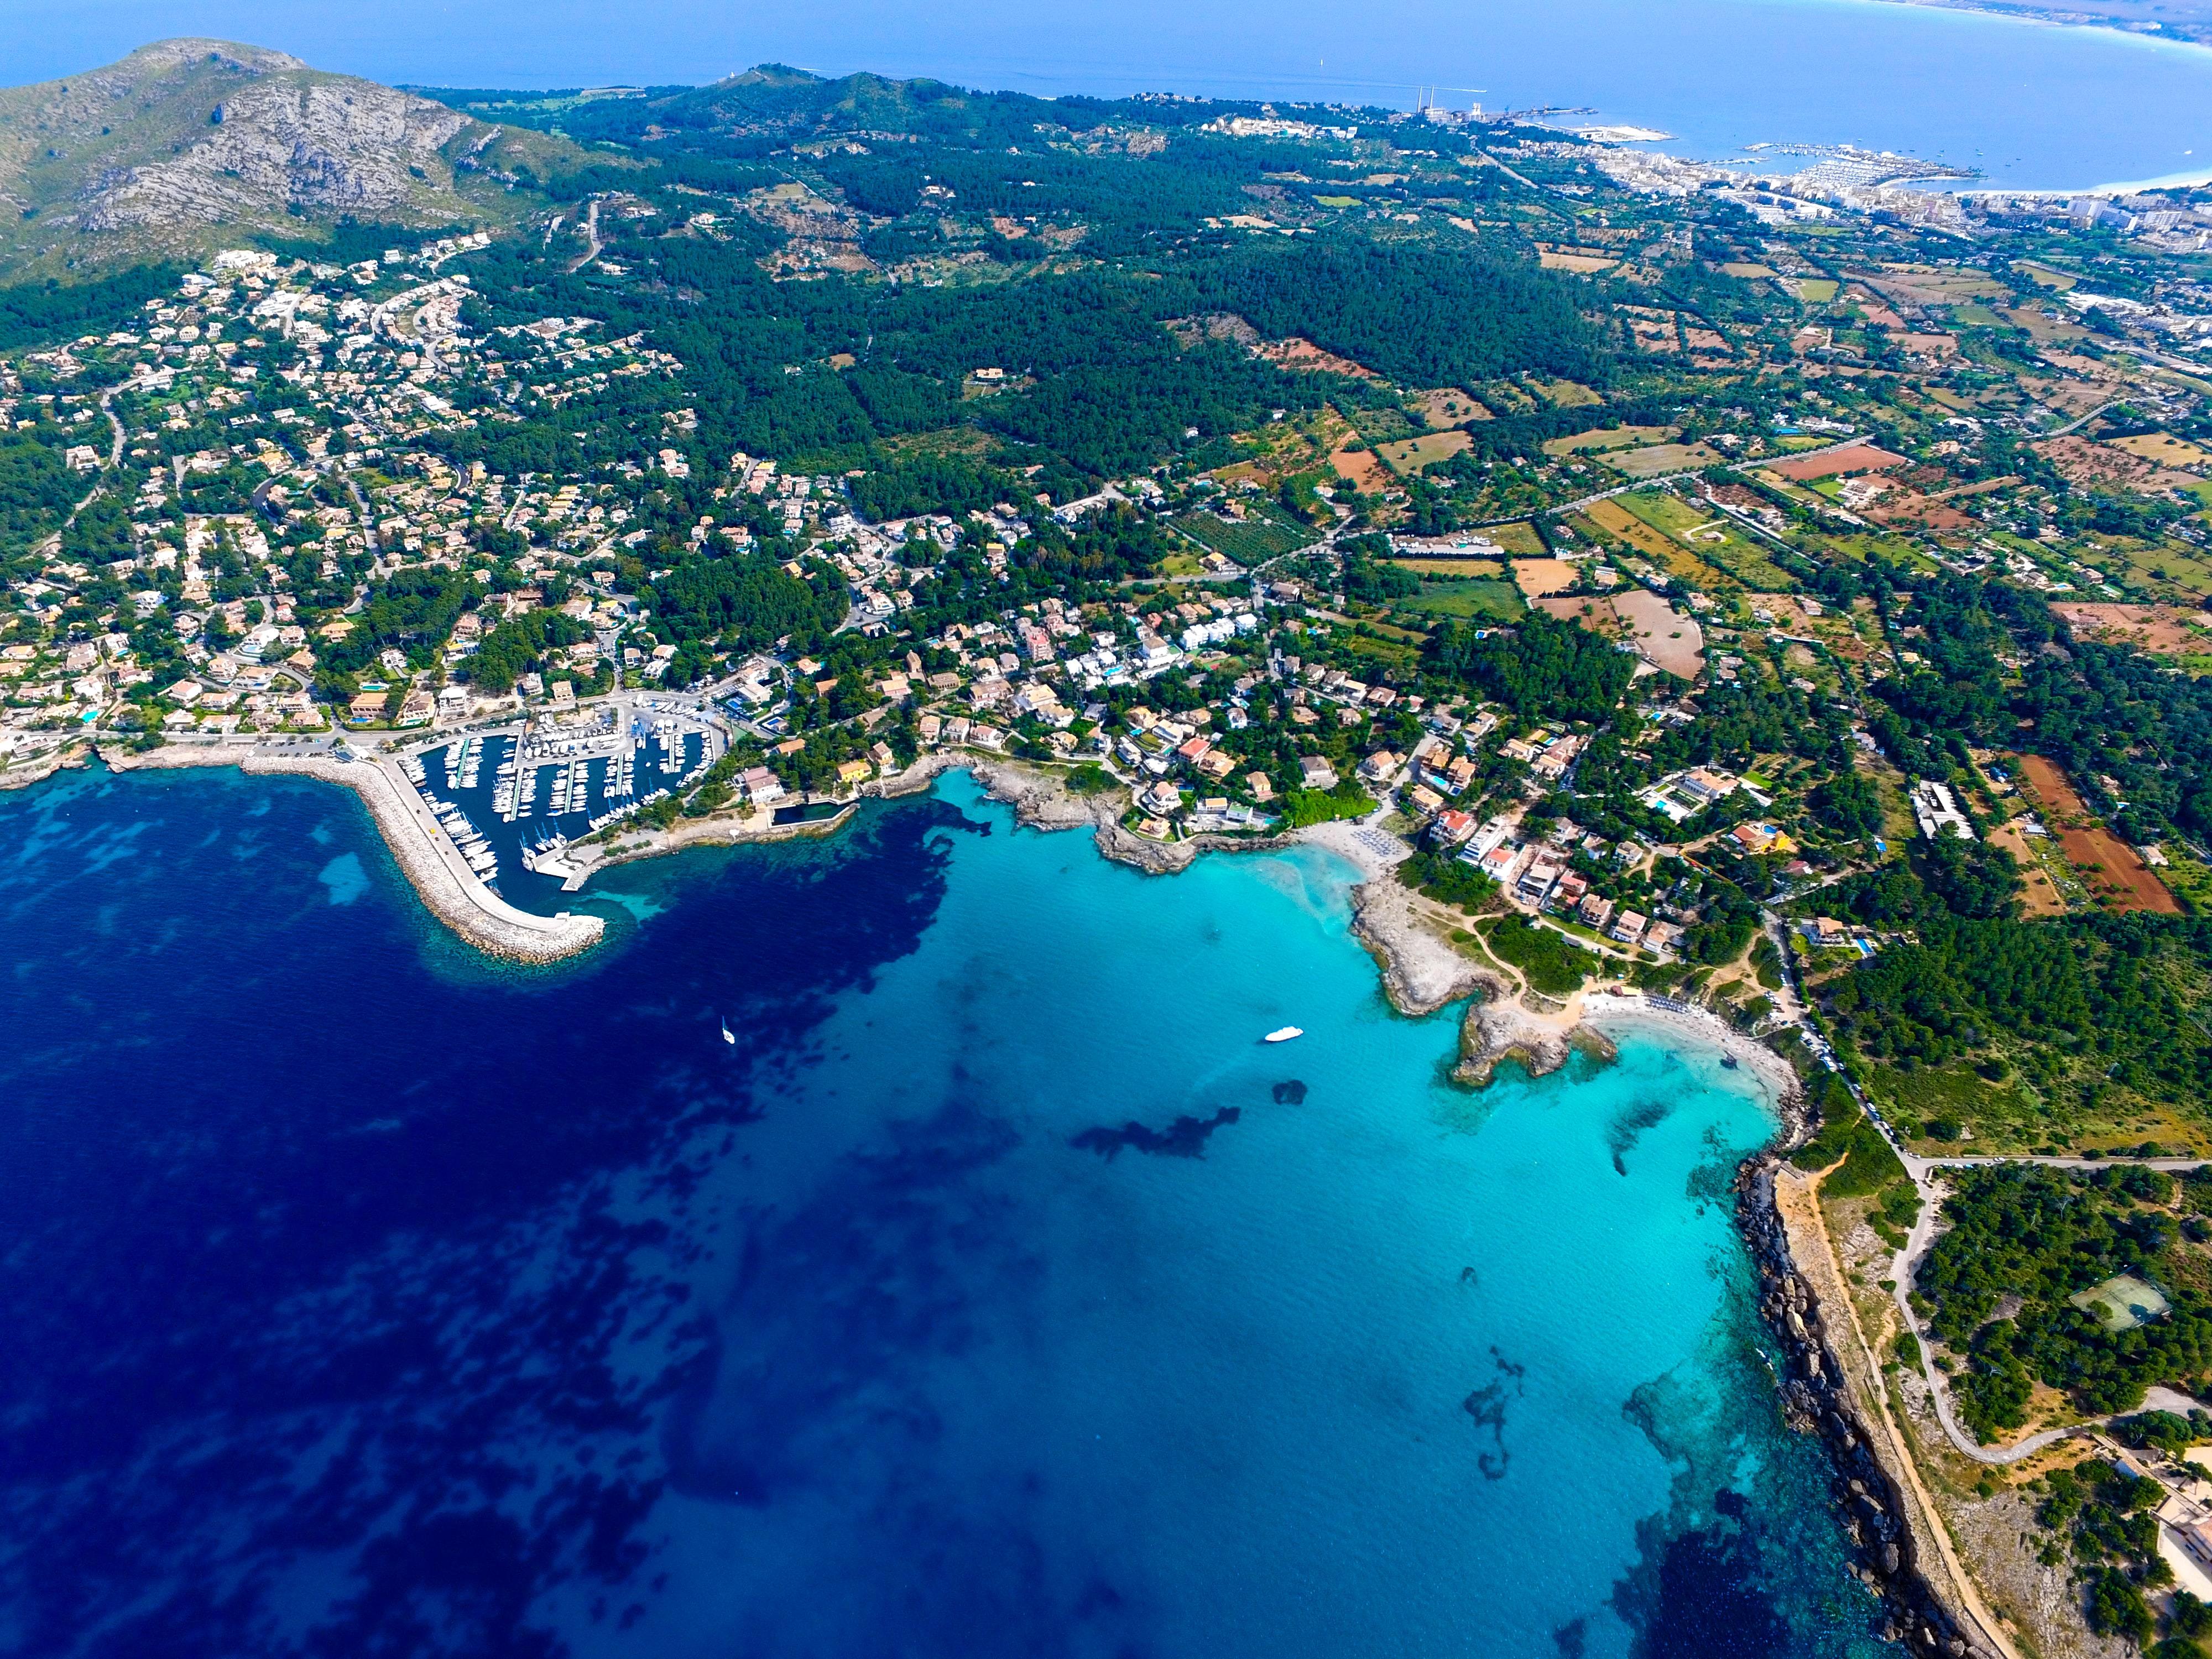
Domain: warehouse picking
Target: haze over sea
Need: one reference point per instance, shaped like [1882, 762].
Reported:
[996, 1292]
[2032, 105]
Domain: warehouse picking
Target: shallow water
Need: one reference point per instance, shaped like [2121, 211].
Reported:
[997, 1291]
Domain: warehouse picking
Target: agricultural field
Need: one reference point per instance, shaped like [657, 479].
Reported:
[1362, 468]
[2046, 276]
[1281, 448]
[1817, 290]
[1711, 540]
[1567, 394]
[1506, 398]
[1616, 523]
[2162, 630]
[1671, 639]
[1518, 538]
[1856, 458]
[2174, 571]
[2043, 891]
[1262, 534]
[2164, 449]
[1448, 406]
[1538, 576]
[2110, 867]
[1661, 458]
[1412, 454]
[1488, 569]
[1387, 652]
[1463, 597]
[1599, 439]
[1938, 285]
[1674, 642]
[1594, 611]
[1381, 426]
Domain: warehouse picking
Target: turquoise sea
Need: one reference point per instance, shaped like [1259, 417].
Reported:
[996, 1292]
[2032, 105]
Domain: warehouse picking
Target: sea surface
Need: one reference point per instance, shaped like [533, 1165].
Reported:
[2032, 105]
[996, 1291]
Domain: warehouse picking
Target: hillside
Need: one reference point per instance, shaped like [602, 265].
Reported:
[186, 145]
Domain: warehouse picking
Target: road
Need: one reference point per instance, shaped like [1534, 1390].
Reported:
[1924, 1173]
[367, 522]
[590, 236]
[2081, 421]
[115, 447]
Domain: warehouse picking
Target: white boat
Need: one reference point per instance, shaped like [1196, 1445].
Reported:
[1283, 1034]
[727, 1035]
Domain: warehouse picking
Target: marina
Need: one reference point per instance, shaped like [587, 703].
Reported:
[513, 801]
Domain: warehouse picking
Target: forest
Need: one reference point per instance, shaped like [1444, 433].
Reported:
[1097, 386]
[1544, 667]
[744, 603]
[41, 313]
[2077, 1003]
[2098, 710]
[412, 612]
[518, 647]
[36, 490]
[2022, 1239]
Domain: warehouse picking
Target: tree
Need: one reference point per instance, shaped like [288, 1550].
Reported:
[1848, 805]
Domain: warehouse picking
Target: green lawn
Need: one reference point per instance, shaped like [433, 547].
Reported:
[1466, 598]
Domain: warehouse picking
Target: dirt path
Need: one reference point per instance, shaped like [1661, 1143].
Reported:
[1797, 1197]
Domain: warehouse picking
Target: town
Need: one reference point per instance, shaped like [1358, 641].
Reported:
[1762, 604]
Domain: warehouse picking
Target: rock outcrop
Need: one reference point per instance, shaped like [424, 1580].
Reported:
[187, 143]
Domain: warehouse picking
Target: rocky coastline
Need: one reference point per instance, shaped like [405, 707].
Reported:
[1928, 1611]
[71, 756]
[1881, 1512]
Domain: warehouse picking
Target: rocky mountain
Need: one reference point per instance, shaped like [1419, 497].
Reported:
[186, 145]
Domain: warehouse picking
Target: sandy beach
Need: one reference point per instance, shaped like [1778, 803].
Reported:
[1617, 1014]
[1422, 970]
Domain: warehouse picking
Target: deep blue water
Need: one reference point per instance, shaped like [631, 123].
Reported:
[996, 1293]
[2033, 106]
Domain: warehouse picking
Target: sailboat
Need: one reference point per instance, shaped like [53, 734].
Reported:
[727, 1035]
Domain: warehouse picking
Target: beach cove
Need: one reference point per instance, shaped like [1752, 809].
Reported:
[996, 1272]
